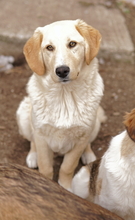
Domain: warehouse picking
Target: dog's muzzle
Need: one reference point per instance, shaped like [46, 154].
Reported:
[62, 72]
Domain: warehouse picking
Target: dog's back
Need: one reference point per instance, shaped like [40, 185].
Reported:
[110, 182]
[25, 194]
[117, 170]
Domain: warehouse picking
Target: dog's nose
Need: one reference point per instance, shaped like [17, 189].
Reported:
[62, 71]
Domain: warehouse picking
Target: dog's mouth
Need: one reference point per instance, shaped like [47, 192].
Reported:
[65, 80]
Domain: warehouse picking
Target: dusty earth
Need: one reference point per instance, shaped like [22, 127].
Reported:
[119, 97]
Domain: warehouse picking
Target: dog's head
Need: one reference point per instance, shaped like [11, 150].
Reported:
[62, 48]
[129, 122]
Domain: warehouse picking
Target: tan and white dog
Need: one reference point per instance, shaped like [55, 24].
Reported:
[61, 112]
[110, 182]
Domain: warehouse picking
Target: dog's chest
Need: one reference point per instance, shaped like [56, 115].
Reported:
[62, 108]
[64, 120]
[64, 113]
[63, 140]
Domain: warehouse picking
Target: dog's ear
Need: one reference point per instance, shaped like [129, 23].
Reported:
[92, 39]
[129, 122]
[33, 54]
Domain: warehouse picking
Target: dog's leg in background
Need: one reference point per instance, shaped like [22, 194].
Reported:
[44, 156]
[31, 159]
[70, 162]
[88, 155]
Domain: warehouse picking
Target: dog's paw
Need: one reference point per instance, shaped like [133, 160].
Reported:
[88, 157]
[80, 183]
[67, 188]
[31, 160]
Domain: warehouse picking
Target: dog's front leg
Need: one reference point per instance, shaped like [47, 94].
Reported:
[44, 156]
[70, 162]
[31, 159]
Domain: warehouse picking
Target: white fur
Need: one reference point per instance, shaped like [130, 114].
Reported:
[118, 178]
[65, 111]
[88, 157]
[80, 183]
[117, 173]
[23, 118]
[57, 115]
[31, 160]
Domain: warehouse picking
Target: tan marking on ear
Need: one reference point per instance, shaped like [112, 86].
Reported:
[33, 55]
[92, 38]
[129, 122]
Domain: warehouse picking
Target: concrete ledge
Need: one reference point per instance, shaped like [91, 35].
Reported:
[20, 18]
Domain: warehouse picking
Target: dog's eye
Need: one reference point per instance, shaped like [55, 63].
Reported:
[72, 44]
[50, 48]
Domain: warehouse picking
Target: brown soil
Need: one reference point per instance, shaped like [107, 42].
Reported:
[119, 97]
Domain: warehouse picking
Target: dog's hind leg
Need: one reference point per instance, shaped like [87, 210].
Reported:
[88, 155]
[101, 115]
[23, 118]
[24, 123]
[100, 118]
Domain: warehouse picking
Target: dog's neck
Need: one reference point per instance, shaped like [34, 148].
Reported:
[66, 103]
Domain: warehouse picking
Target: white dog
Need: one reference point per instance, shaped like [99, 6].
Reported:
[62, 113]
[110, 182]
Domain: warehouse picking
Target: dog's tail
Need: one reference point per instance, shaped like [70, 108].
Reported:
[129, 122]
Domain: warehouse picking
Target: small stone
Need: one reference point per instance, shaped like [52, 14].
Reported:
[108, 3]
[115, 96]
[101, 61]
[116, 113]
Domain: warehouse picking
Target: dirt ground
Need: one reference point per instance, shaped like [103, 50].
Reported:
[119, 97]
